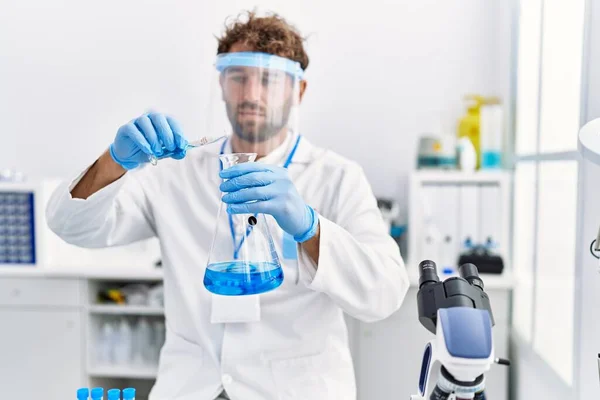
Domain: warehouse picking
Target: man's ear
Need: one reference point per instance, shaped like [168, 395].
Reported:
[302, 89]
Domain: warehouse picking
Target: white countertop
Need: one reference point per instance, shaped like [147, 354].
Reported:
[491, 281]
[83, 272]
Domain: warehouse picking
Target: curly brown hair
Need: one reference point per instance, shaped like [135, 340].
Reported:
[270, 34]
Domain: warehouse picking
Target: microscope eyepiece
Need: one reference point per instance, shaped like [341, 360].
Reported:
[427, 273]
[471, 274]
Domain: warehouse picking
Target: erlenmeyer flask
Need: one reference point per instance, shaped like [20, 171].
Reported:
[242, 258]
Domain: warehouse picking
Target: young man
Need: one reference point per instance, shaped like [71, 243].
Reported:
[290, 342]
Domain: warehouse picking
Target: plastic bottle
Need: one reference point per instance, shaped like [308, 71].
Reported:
[159, 338]
[467, 155]
[492, 122]
[467, 244]
[469, 124]
[105, 354]
[114, 394]
[142, 345]
[123, 343]
[97, 393]
[83, 394]
[129, 394]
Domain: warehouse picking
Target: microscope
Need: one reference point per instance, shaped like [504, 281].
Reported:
[458, 312]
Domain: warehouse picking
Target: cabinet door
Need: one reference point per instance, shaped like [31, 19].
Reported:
[390, 355]
[41, 353]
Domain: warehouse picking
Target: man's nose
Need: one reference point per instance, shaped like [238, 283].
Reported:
[252, 90]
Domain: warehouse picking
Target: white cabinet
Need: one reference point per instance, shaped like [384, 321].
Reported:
[41, 343]
[457, 207]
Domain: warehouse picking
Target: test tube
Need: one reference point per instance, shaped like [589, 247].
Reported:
[83, 394]
[129, 394]
[114, 394]
[97, 393]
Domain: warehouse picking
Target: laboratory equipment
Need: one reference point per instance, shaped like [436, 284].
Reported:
[483, 255]
[97, 393]
[142, 342]
[83, 394]
[114, 394]
[467, 156]
[469, 124]
[242, 258]
[436, 151]
[190, 145]
[159, 333]
[129, 394]
[459, 313]
[123, 344]
[491, 132]
[17, 224]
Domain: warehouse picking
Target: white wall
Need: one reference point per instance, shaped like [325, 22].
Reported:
[381, 72]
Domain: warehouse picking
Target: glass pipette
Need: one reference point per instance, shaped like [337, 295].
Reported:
[193, 144]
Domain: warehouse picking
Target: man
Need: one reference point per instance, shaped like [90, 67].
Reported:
[290, 342]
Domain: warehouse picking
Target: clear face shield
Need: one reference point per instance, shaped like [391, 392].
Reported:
[256, 97]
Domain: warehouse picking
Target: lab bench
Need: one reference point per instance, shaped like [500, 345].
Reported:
[49, 319]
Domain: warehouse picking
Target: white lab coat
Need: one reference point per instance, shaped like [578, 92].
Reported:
[290, 343]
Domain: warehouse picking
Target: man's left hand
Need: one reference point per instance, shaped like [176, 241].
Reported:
[253, 188]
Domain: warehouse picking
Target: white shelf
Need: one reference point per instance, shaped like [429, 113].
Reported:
[116, 309]
[456, 176]
[132, 372]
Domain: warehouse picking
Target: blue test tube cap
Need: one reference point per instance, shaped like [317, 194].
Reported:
[97, 393]
[114, 394]
[128, 394]
[83, 393]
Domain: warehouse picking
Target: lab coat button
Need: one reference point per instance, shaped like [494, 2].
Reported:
[227, 379]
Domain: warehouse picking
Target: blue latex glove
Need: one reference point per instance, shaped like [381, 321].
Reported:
[147, 135]
[259, 188]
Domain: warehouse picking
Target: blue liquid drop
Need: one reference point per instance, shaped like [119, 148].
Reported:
[238, 278]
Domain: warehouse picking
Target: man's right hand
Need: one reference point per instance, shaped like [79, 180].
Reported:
[145, 136]
[134, 143]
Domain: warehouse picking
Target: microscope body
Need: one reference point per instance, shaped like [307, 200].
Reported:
[458, 312]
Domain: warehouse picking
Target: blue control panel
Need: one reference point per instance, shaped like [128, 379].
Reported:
[17, 228]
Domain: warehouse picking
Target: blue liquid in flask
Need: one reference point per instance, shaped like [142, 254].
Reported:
[237, 278]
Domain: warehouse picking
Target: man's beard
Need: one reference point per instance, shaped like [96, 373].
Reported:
[268, 123]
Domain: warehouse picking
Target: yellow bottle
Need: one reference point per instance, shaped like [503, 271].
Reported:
[469, 124]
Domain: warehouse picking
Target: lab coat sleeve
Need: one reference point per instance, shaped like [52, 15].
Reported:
[359, 266]
[117, 214]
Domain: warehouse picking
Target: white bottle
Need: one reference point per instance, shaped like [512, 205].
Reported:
[467, 158]
[159, 338]
[105, 355]
[123, 343]
[143, 342]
